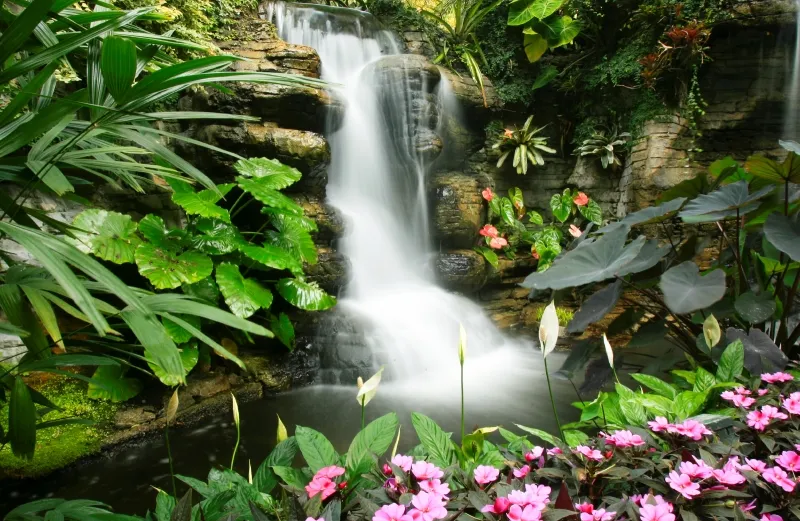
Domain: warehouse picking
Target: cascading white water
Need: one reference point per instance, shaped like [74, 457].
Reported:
[792, 94]
[377, 181]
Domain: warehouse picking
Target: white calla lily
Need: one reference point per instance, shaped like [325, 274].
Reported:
[609, 351]
[369, 389]
[548, 329]
[462, 344]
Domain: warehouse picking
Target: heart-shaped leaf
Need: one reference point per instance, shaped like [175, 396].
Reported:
[686, 291]
[261, 189]
[535, 46]
[596, 307]
[729, 201]
[305, 295]
[216, 237]
[784, 234]
[592, 212]
[190, 354]
[110, 383]
[273, 173]
[165, 270]
[243, 296]
[774, 172]
[761, 355]
[202, 203]
[153, 229]
[755, 308]
[108, 235]
[291, 235]
[521, 12]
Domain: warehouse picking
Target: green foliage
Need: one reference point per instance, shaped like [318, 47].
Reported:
[525, 145]
[606, 145]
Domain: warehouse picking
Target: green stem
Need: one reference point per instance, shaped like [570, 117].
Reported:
[462, 403]
[363, 409]
[169, 456]
[552, 400]
[236, 447]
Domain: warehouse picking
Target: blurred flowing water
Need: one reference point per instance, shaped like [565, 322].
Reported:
[792, 104]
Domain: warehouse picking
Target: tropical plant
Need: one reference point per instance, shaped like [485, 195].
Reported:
[512, 228]
[543, 27]
[460, 40]
[525, 143]
[749, 285]
[605, 145]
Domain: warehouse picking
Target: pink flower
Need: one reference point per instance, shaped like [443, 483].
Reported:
[312, 519]
[776, 377]
[519, 497]
[790, 460]
[762, 392]
[534, 453]
[500, 506]
[692, 429]
[728, 477]
[777, 476]
[683, 484]
[321, 485]
[487, 194]
[662, 512]
[329, 472]
[589, 513]
[792, 403]
[391, 513]
[404, 462]
[624, 439]
[521, 472]
[771, 517]
[581, 199]
[539, 494]
[589, 453]
[755, 465]
[430, 507]
[651, 499]
[555, 451]
[529, 513]
[574, 231]
[738, 399]
[534, 253]
[489, 231]
[497, 243]
[660, 424]
[697, 470]
[424, 470]
[760, 419]
[435, 487]
[485, 474]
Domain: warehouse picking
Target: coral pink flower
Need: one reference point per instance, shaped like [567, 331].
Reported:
[589, 453]
[529, 513]
[519, 497]
[500, 506]
[771, 517]
[624, 439]
[424, 470]
[755, 465]
[485, 474]
[691, 429]
[777, 377]
[309, 518]
[508, 133]
[329, 472]
[728, 476]
[321, 485]
[497, 243]
[489, 231]
[430, 507]
[581, 199]
[435, 487]
[404, 462]
[392, 513]
[662, 512]
[521, 472]
[539, 494]
[574, 231]
[738, 399]
[792, 404]
[790, 460]
[777, 476]
[683, 484]
[487, 194]
[757, 420]
[660, 424]
[697, 470]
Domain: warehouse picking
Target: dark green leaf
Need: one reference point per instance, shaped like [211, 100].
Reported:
[596, 307]
[727, 201]
[784, 234]
[761, 355]
[21, 421]
[283, 329]
[118, 65]
[436, 442]
[755, 308]
[686, 291]
[316, 449]
[281, 456]
[108, 383]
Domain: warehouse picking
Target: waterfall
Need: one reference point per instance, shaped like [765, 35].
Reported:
[381, 153]
[792, 96]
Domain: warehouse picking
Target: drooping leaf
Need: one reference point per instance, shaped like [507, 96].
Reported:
[561, 206]
[165, 270]
[755, 308]
[282, 455]
[316, 449]
[596, 307]
[273, 173]
[110, 383]
[774, 172]
[305, 295]
[535, 46]
[558, 30]
[646, 215]
[545, 76]
[685, 290]
[261, 189]
[761, 355]
[650, 255]
[109, 235]
[783, 233]
[242, 295]
[725, 202]
[657, 385]
[521, 12]
[21, 420]
[283, 329]
[437, 443]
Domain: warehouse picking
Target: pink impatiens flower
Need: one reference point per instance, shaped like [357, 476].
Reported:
[309, 518]
[777, 377]
[489, 231]
[392, 513]
[521, 472]
[660, 424]
[697, 470]
[404, 462]
[536, 453]
[575, 231]
[497, 243]
[755, 465]
[739, 400]
[321, 485]
[500, 506]
[529, 513]
[777, 476]
[691, 429]
[771, 517]
[661, 512]
[589, 453]
[589, 513]
[581, 199]
[485, 474]
[429, 507]
[555, 451]
[624, 439]
[435, 487]
[760, 419]
[487, 194]
[683, 484]
[424, 470]
[790, 460]
[330, 472]
[792, 403]
[728, 476]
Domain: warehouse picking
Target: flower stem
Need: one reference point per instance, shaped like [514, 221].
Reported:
[169, 456]
[363, 408]
[552, 400]
[462, 403]
[236, 447]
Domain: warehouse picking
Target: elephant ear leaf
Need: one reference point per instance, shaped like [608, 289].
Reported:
[202, 203]
[783, 233]
[273, 173]
[685, 290]
[166, 270]
[243, 296]
[190, 354]
[291, 235]
[109, 383]
[305, 295]
[108, 235]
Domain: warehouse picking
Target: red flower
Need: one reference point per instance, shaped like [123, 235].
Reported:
[581, 199]
[489, 231]
[487, 194]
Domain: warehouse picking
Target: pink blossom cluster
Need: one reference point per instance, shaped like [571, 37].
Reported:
[589, 453]
[774, 378]
[690, 428]
[495, 240]
[792, 404]
[654, 508]
[323, 482]
[428, 504]
[520, 505]
[740, 397]
[590, 513]
[760, 419]
[624, 439]
[779, 477]
[689, 477]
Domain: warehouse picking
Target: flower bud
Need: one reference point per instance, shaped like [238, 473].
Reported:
[501, 505]
[387, 469]
[343, 485]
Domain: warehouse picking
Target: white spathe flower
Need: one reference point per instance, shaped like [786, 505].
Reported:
[369, 389]
[711, 331]
[609, 351]
[548, 329]
[235, 410]
[172, 407]
[462, 344]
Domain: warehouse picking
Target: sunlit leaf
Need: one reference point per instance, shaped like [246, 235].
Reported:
[109, 235]
[166, 270]
[305, 295]
[243, 296]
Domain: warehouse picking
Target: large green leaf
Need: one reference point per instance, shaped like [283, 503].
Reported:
[374, 440]
[281, 456]
[685, 290]
[647, 215]
[21, 420]
[166, 270]
[521, 12]
[535, 46]
[305, 295]
[24, 24]
[243, 296]
[558, 30]
[283, 329]
[292, 236]
[631, 406]
[118, 65]
[261, 189]
[316, 449]
[216, 237]
[189, 357]
[561, 205]
[592, 212]
[596, 307]
[771, 170]
[688, 403]
[202, 203]
[272, 256]
[656, 385]
[110, 383]
[157, 344]
[176, 332]
[784, 234]
[728, 201]
[206, 290]
[755, 308]
[761, 355]
[272, 173]
[437, 443]
[109, 235]
[153, 228]
[731, 362]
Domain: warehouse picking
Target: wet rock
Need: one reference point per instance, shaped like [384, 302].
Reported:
[330, 223]
[469, 95]
[133, 416]
[330, 271]
[461, 270]
[410, 71]
[206, 386]
[457, 209]
[279, 369]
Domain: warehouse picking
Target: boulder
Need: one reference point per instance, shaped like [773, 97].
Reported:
[331, 270]
[281, 370]
[330, 223]
[464, 271]
[134, 416]
[457, 209]
[470, 98]
[206, 386]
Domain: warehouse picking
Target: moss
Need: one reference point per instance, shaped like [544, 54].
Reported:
[59, 446]
[564, 314]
